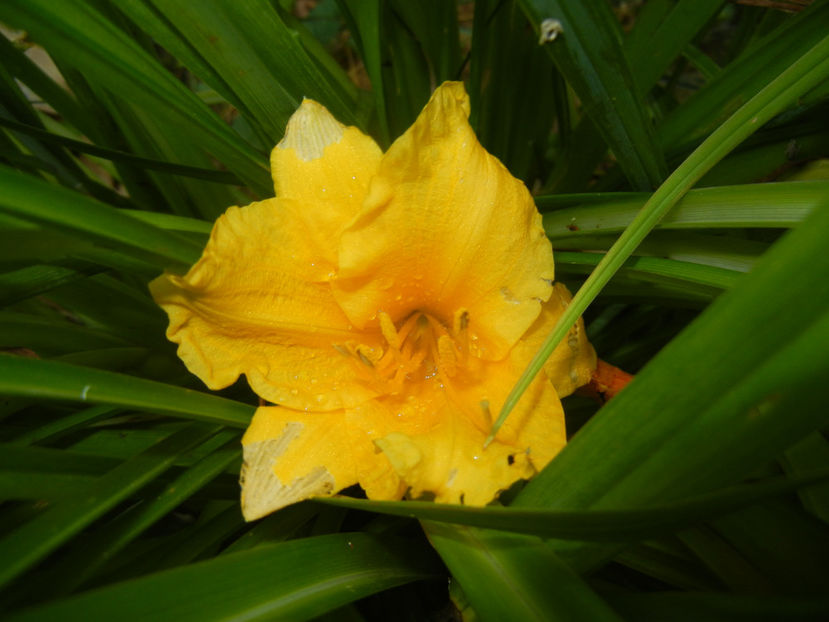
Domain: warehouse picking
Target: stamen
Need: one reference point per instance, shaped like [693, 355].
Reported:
[487, 413]
[342, 349]
[366, 355]
[388, 330]
[421, 347]
[410, 323]
[460, 321]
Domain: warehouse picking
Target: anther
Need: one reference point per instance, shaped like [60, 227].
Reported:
[487, 413]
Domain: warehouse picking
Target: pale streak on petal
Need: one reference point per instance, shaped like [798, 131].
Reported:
[262, 491]
[291, 456]
[310, 130]
[324, 168]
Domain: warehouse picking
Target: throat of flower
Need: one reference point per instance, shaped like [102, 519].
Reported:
[419, 349]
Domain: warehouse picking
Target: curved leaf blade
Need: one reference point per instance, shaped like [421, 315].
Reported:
[54, 380]
[592, 525]
[810, 70]
[290, 581]
[36, 201]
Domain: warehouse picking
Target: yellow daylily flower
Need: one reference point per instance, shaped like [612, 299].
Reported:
[386, 303]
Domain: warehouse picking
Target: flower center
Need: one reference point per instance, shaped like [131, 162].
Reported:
[420, 348]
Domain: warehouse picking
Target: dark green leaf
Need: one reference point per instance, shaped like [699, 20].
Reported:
[532, 583]
[588, 52]
[288, 581]
[31, 542]
[36, 201]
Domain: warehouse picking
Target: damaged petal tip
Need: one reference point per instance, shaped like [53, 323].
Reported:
[262, 491]
[310, 130]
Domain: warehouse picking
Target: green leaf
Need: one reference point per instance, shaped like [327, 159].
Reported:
[406, 76]
[287, 581]
[255, 54]
[757, 205]
[42, 487]
[64, 425]
[749, 398]
[36, 201]
[588, 52]
[610, 525]
[276, 527]
[366, 24]
[718, 607]
[434, 24]
[660, 32]
[33, 280]
[730, 252]
[532, 583]
[744, 78]
[797, 79]
[179, 224]
[22, 67]
[768, 159]
[726, 347]
[669, 562]
[23, 330]
[77, 33]
[651, 52]
[28, 544]
[50, 460]
[172, 168]
[54, 380]
[649, 269]
[793, 559]
[82, 562]
[511, 110]
[812, 450]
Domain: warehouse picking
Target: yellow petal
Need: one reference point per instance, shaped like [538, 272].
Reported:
[437, 444]
[429, 442]
[326, 167]
[446, 227]
[250, 306]
[290, 456]
[572, 363]
[448, 461]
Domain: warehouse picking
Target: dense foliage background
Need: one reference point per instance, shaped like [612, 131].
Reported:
[700, 492]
